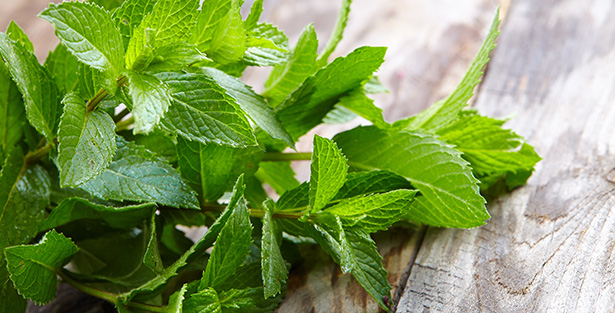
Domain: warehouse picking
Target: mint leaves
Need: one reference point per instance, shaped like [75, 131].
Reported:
[105, 186]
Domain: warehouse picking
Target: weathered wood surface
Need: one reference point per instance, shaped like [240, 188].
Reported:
[549, 246]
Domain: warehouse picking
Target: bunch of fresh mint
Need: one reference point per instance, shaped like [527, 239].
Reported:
[104, 189]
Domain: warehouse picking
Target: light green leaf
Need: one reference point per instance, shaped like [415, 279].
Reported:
[354, 250]
[255, 14]
[204, 301]
[279, 175]
[17, 34]
[336, 36]
[75, 209]
[488, 147]
[443, 112]
[252, 104]
[129, 16]
[150, 100]
[374, 86]
[64, 68]
[176, 300]
[33, 267]
[274, 268]
[86, 142]
[266, 46]
[175, 57]
[339, 115]
[221, 34]
[169, 22]
[449, 192]
[247, 300]
[327, 174]
[202, 111]
[12, 114]
[372, 213]
[136, 174]
[24, 195]
[194, 254]
[89, 33]
[231, 248]
[358, 102]
[40, 94]
[310, 102]
[286, 77]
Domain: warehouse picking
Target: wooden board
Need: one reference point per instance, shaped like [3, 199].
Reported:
[549, 246]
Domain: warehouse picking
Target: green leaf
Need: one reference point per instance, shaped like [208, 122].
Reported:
[152, 259]
[488, 147]
[195, 253]
[176, 300]
[12, 114]
[231, 248]
[361, 183]
[129, 16]
[86, 142]
[358, 102]
[175, 57]
[266, 46]
[336, 36]
[252, 104]
[449, 192]
[339, 115]
[136, 174]
[286, 77]
[272, 262]
[24, 195]
[159, 142]
[40, 94]
[150, 100]
[443, 112]
[255, 14]
[17, 34]
[64, 68]
[327, 174]
[354, 250]
[310, 102]
[204, 301]
[373, 212]
[88, 32]
[279, 175]
[221, 34]
[202, 111]
[77, 209]
[247, 300]
[33, 267]
[169, 22]
[108, 4]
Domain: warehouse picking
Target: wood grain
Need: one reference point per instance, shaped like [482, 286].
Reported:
[549, 246]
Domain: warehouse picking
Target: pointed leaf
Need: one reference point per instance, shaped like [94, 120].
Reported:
[136, 174]
[204, 301]
[274, 268]
[310, 102]
[86, 142]
[338, 33]
[255, 13]
[176, 301]
[152, 258]
[252, 104]
[150, 100]
[358, 102]
[286, 77]
[12, 113]
[32, 267]
[202, 111]
[40, 94]
[89, 33]
[17, 34]
[328, 173]
[444, 112]
[449, 192]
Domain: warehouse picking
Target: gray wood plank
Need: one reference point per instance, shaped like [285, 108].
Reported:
[549, 246]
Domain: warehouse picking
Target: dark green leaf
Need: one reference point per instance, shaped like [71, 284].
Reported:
[40, 94]
[32, 268]
[12, 114]
[86, 142]
[328, 173]
[152, 258]
[202, 111]
[150, 100]
[252, 104]
[272, 262]
[89, 33]
[449, 192]
[176, 300]
[310, 102]
[136, 174]
[286, 77]
[162, 143]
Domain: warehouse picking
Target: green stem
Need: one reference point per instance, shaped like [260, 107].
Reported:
[121, 115]
[125, 124]
[253, 212]
[291, 156]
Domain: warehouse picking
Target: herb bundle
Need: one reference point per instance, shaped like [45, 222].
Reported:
[103, 189]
